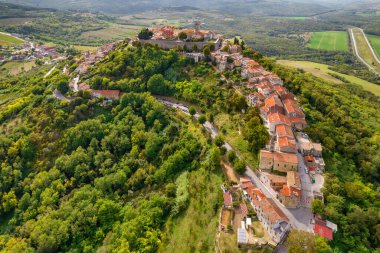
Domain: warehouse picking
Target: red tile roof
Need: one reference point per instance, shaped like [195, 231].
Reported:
[298, 120]
[266, 154]
[227, 198]
[273, 101]
[284, 130]
[285, 157]
[292, 107]
[323, 230]
[272, 211]
[107, 93]
[244, 210]
[284, 142]
[278, 118]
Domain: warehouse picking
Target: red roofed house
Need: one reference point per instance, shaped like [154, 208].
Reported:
[276, 182]
[108, 94]
[274, 105]
[266, 160]
[84, 86]
[244, 210]
[227, 199]
[285, 144]
[298, 123]
[321, 228]
[272, 218]
[246, 183]
[285, 162]
[293, 110]
[284, 131]
[275, 119]
[290, 194]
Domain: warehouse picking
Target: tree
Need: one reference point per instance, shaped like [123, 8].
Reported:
[192, 111]
[145, 34]
[239, 166]
[238, 102]
[317, 206]
[321, 245]
[236, 41]
[158, 85]
[195, 48]
[63, 86]
[225, 49]
[231, 156]
[300, 242]
[219, 140]
[207, 51]
[214, 158]
[202, 119]
[182, 36]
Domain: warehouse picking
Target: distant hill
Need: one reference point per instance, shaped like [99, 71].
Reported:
[265, 7]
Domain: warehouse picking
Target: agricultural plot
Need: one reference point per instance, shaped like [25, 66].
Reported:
[375, 43]
[363, 50]
[7, 40]
[332, 40]
[114, 31]
[323, 71]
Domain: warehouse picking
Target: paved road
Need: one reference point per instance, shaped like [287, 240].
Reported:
[74, 84]
[57, 94]
[299, 218]
[50, 71]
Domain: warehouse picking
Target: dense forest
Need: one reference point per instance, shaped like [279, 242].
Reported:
[345, 119]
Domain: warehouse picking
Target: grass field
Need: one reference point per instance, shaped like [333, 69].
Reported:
[364, 50]
[7, 40]
[236, 140]
[15, 21]
[16, 67]
[375, 42]
[114, 31]
[322, 71]
[332, 40]
[85, 48]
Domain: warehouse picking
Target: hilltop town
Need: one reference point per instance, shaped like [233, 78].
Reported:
[289, 177]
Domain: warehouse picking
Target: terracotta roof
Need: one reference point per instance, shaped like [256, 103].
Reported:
[321, 229]
[266, 154]
[277, 179]
[280, 89]
[285, 157]
[285, 191]
[245, 179]
[244, 210]
[107, 93]
[287, 96]
[273, 101]
[247, 185]
[310, 146]
[278, 118]
[284, 130]
[298, 120]
[227, 198]
[309, 158]
[258, 193]
[291, 107]
[283, 142]
[272, 211]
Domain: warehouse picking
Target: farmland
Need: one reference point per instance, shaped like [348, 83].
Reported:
[375, 42]
[7, 40]
[15, 67]
[331, 40]
[323, 71]
[114, 31]
[364, 50]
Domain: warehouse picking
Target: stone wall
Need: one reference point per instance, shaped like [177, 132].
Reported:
[168, 44]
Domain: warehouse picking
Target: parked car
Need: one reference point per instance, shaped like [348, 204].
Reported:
[306, 170]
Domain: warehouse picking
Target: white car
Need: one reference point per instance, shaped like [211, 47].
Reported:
[306, 170]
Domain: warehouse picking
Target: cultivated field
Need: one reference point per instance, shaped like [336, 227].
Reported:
[114, 31]
[364, 50]
[375, 43]
[322, 71]
[16, 67]
[332, 40]
[15, 21]
[7, 40]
